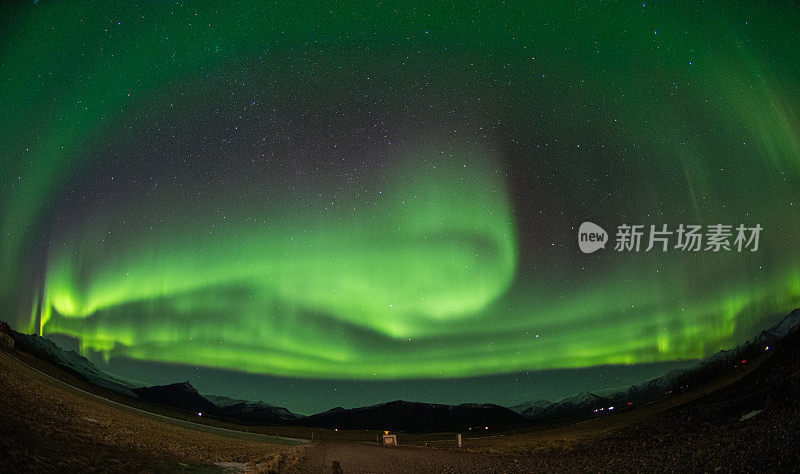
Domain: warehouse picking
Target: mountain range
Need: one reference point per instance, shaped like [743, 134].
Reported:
[584, 405]
[417, 416]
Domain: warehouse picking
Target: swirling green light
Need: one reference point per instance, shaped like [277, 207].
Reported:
[444, 266]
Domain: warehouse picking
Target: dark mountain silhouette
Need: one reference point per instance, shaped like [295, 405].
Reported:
[178, 395]
[412, 416]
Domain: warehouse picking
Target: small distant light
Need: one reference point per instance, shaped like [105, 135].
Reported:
[595, 410]
[766, 348]
[336, 429]
[199, 413]
[486, 428]
[610, 408]
[630, 403]
[744, 361]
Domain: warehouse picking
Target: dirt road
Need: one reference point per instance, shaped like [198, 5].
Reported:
[368, 458]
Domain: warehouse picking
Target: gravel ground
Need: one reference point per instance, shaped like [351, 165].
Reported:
[366, 458]
[48, 427]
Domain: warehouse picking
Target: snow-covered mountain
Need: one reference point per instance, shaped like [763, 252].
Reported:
[526, 406]
[588, 404]
[253, 412]
[585, 402]
[71, 361]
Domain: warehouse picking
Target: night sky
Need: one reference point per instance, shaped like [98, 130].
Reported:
[323, 206]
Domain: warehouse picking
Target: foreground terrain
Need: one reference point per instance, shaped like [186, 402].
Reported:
[746, 423]
[751, 423]
[49, 426]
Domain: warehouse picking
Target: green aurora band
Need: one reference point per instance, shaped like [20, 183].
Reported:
[446, 270]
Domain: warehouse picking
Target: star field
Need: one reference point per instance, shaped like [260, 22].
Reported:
[393, 193]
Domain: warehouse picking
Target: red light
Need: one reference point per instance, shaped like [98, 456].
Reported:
[744, 362]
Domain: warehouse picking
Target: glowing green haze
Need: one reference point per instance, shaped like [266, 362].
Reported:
[440, 249]
[394, 194]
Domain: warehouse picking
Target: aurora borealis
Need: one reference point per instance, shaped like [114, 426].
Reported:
[393, 193]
